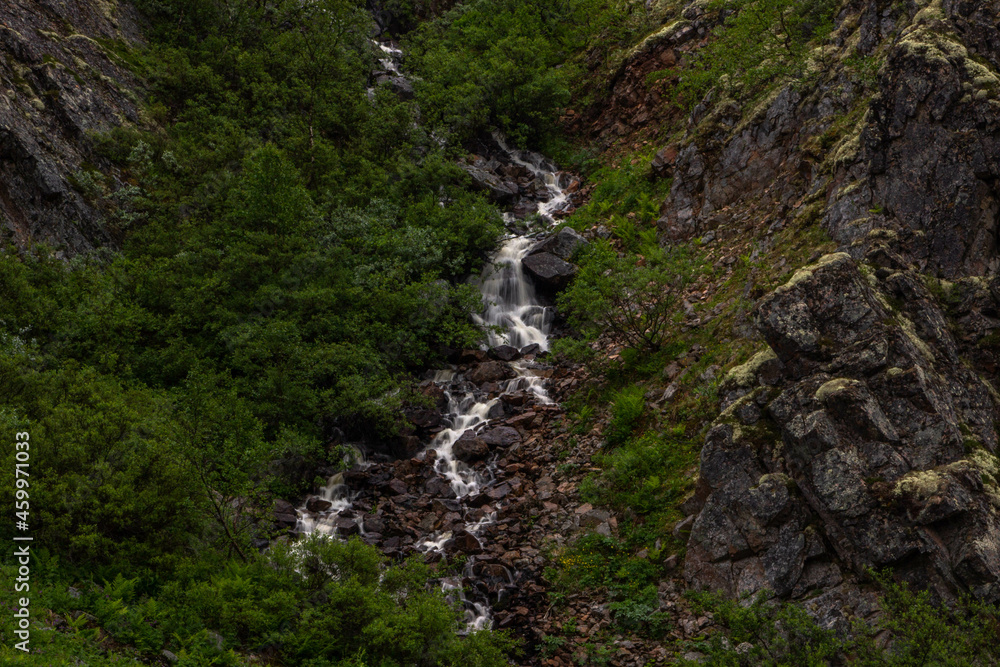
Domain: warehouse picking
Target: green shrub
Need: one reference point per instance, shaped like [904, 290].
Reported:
[631, 299]
[645, 473]
[490, 64]
[627, 408]
[768, 633]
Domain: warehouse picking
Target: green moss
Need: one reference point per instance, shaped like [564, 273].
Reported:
[745, 375]
[920, 484]
[832, 387]
[990, 341]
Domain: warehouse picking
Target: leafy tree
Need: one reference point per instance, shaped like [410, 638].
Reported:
[629, 297]
[490, 64]
[223, 446]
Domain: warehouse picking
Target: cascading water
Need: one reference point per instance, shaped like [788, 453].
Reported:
[392, 55]
[513, 316]
[320, 512]
[556, 182]
[510, 300]
[511, 306]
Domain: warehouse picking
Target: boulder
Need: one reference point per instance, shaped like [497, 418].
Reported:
[396, 487]
[399, 85]
[495, 187]
[470, 447]
[316, 504]
[594, 518]
[548, 271]
[497, 411]
[562, 244]
[501, 436]
[346, 527]
[423, 417]
[467, 356]
[284, 515]
[505, 353]
[663, 162]
[463, 542]
[489, 371]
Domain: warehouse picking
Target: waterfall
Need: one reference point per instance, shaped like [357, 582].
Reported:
[512, 315]
[510, 299]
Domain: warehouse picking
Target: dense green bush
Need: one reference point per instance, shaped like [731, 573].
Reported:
[510, 65]
[490, 64]
[321, 602]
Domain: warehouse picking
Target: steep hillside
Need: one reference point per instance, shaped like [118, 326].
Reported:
[63, 84]
[322, 366]
[860, 434]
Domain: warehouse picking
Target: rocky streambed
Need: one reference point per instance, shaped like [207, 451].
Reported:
[469, 479]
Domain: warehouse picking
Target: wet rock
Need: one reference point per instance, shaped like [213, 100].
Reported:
[468, 357]
[284, 515]
[498, 492]
[439, 486]
[470, 447]
[501, 436]
[534, 348]
[562, 244]
[444, 506]
[315, 504]
[489, 371]
[505, 353]
[434, 392]
[548, 271]
[374, 524]
[496, 188]
[396, 487]
[423, 417]
[479, 500]
[497, 411]
[516, 399]
[523, 421]
[400, 85]
[463, 542]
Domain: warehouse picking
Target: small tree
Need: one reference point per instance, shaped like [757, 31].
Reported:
[223, 443]
[632, 298]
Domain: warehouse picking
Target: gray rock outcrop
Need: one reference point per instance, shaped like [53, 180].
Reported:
[561, 244]
[859, 439]
[548, 271]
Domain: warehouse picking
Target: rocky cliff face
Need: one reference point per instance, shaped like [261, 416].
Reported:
[859, 439]
[916, 157]
[864, 435]
[61, 83]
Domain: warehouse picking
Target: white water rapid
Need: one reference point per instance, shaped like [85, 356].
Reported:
[511, 306]
[514, 316]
